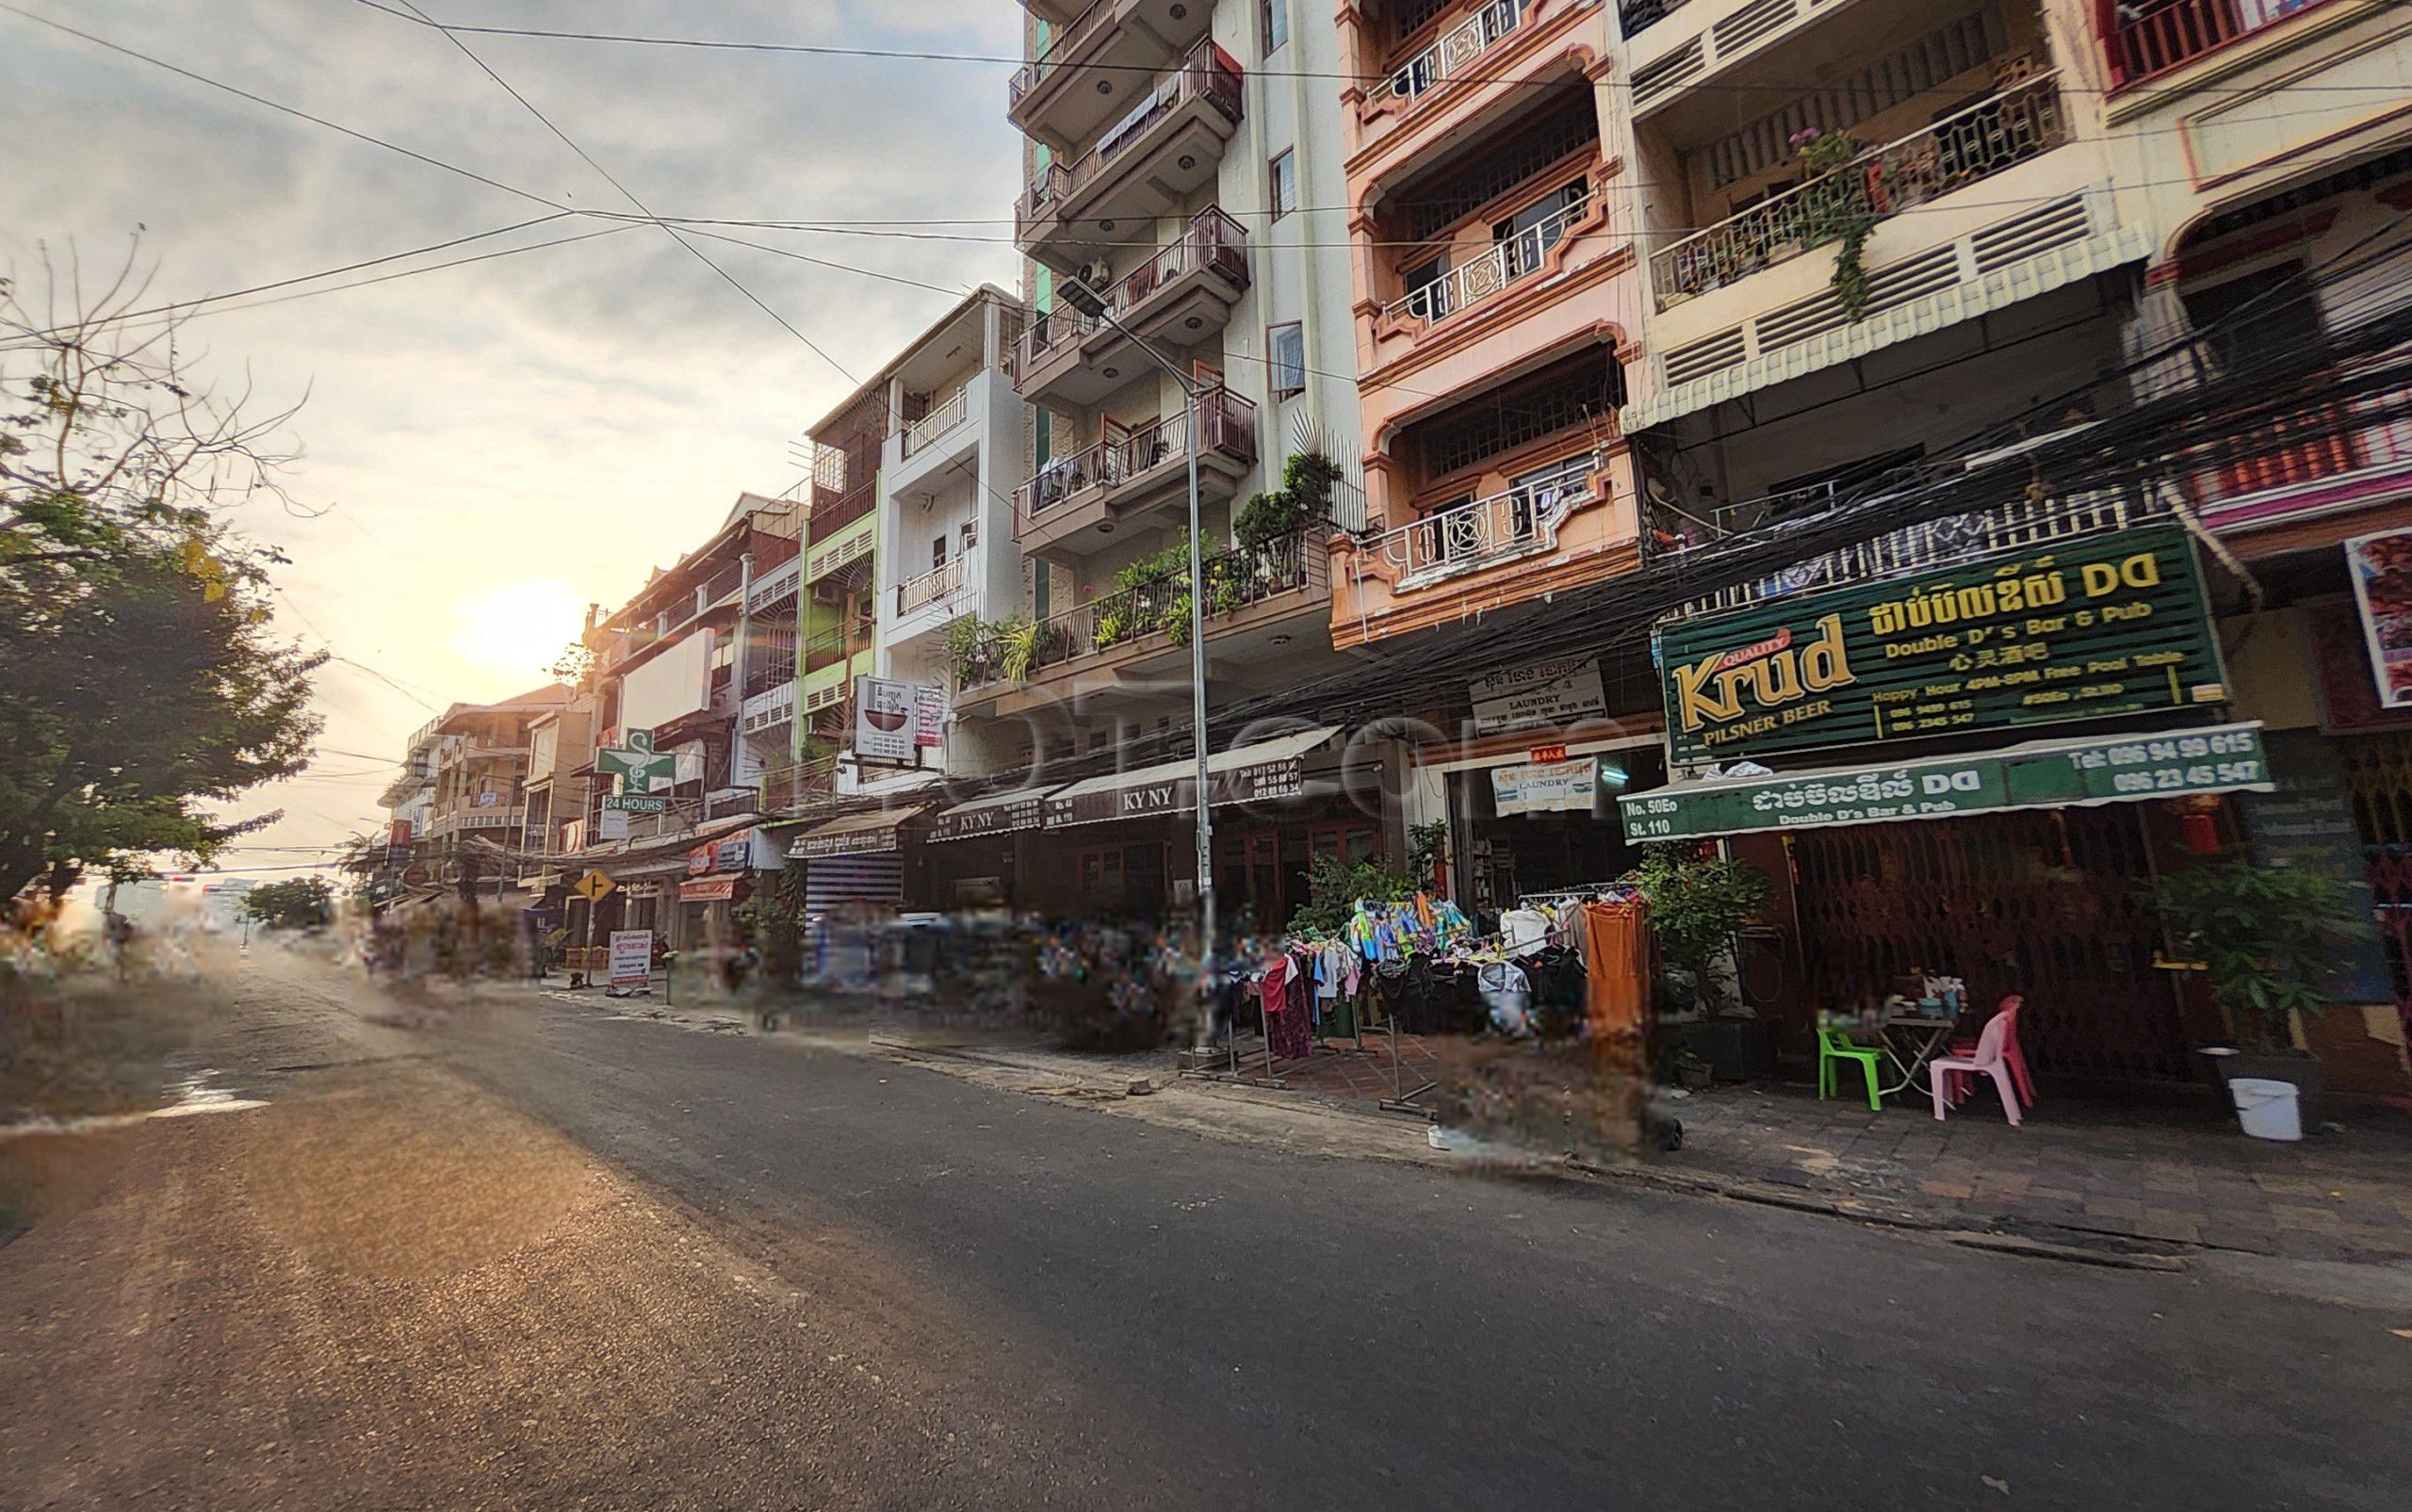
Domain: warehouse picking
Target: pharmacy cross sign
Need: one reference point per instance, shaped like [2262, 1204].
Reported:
[636, 764]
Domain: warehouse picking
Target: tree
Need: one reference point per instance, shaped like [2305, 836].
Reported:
[299, 903]
[142, 683]
[1696, 905]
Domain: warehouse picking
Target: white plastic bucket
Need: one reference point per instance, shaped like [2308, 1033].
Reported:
[2267, 1109]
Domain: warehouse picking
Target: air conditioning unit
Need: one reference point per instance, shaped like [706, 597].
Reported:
[828, 593]
[1098, 275]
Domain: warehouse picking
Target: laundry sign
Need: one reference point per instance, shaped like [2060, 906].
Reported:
[1546, 787]
[1538, 697]
[2109, 623]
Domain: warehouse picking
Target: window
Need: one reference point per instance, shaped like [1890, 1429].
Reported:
[1276, 26]
[1284, 184]
[971, 536]
[1287, 347]
[938, 552]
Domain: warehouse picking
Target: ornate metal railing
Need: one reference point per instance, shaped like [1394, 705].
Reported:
[1206, 74]
[929, 587]
[1641, 15]
[1226, 424]
[1507, 263]
[944, 415]
[2019, 124]
[1456, 49]
[1211, 241]
[1070, 41]
[1484, 532]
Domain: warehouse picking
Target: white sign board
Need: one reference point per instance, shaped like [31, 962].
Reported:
[887, 721]
[1546, 788]
[1552, 693]
[631, 957]
[611, 824]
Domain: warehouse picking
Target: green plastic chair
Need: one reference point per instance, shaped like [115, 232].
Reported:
[1833, 1045]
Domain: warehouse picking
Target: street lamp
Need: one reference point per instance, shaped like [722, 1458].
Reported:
[1090, 302]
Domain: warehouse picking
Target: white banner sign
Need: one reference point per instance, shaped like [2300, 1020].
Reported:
[611, 824]
[1548, 788]
[631, 957]
[1553, 694]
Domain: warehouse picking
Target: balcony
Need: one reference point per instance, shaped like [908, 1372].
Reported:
[2003, 216]
[1508, 263]
[833, 648]
[769, 709]
[1075, 502]
[943, 417]
[1088, 75]
[1453, 55]
[1485, 532]
[2153, 37]
[1991, 137]
[1148, 164]
[2321, 456]
[918, 592]
[774, 588]
[1179, 296]
[1135, 632]
[1638, 16]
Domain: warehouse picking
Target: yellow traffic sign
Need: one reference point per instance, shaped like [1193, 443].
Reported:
[592, 885]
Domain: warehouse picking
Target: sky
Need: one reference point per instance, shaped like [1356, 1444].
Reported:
[488, 448]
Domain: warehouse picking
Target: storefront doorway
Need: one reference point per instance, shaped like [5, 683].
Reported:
[2052, 904]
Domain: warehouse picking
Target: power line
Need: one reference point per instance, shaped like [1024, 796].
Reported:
[626, 193]
[1067, 66]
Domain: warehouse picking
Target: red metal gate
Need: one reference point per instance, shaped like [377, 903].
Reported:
[2051, 903]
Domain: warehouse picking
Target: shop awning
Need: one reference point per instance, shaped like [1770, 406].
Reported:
[1245, 774]
[995, 814]
[2112, 769]
[869, 832]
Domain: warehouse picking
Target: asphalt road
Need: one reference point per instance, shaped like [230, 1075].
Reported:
[548, 1257]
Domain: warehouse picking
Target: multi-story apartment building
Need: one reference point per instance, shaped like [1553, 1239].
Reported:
[561, 786]
[838, 602]
[1497, 306]
[462, 787]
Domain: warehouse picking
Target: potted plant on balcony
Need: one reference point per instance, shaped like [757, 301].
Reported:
[2265, 937]
[1113, 626]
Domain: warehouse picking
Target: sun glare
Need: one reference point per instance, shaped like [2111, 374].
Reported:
[520, 629]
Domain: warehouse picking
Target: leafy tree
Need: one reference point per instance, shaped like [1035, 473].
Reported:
[142, 682]
[1696, 905]
[299, 902]
[1334, 889]
[2268, 936]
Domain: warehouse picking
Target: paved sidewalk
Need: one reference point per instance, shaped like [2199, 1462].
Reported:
[2082, 1170]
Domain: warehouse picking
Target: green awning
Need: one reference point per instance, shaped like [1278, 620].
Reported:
[2121, 768]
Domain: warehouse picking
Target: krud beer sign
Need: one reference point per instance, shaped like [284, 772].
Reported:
[2112, 623]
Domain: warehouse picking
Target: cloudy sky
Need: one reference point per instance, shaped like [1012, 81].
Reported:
[495, 444]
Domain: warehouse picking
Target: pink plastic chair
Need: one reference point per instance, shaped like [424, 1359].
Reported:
[2010, 1051]
[1990, 1060]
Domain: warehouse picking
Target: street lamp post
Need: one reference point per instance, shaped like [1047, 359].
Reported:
[1091, 302]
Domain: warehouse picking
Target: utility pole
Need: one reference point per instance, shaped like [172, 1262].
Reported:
[1092, 303]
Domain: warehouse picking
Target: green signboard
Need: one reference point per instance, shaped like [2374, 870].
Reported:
[2102, 625]
[2045, 775]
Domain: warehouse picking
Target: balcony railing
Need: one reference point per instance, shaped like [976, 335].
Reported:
[1641, 15]
[774, 587]
[2318, 442]
[2021, 123]
[1484, 532]
[1212, 240]
[1068, 42]
[1236, 580]
[2155, 36]
[1206, 74]
[944, 415]
[1456, 49]
[801, 787]
[1226, 424]
[1507, 263]
[828, 519]
[931, 586]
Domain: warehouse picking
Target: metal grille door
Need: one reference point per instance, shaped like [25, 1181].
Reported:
[2052, 904]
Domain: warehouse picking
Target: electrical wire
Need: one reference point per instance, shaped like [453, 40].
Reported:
[1070, 66]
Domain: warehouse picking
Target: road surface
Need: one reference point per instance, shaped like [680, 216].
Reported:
[543, 1256]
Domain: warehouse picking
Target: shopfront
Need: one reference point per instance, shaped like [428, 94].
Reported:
[1862, 745]
[854, 864]
[972, 852]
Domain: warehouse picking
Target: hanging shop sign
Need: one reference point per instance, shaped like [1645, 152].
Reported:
[2381, 567]
[1265, 782]
[611, 824]
[708, 889]
[636, 764]
[1020, 811]
[887, 720]
[735, 853]
[2044, 774]
[2103, 624]
[640, 891]
[845, 842]
[1546, 788]
[635, 804]
[1552, 693]
[929, 716]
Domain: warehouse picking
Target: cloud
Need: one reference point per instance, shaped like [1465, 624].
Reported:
[575, 415]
